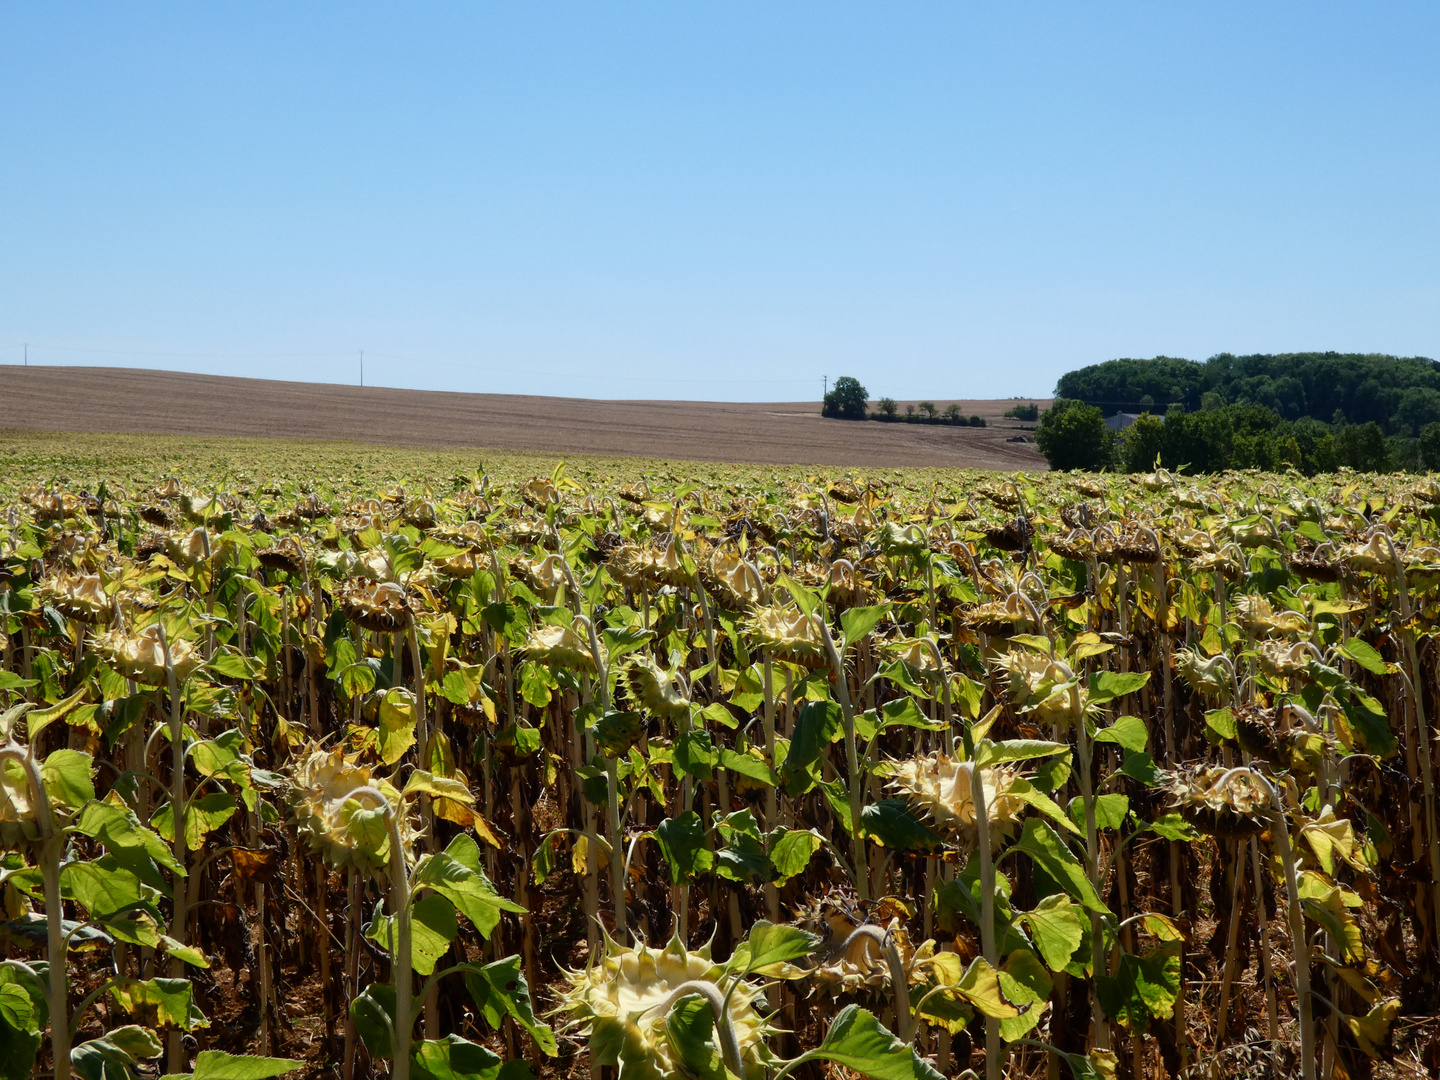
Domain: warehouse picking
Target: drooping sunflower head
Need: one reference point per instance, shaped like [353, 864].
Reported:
[789, 634]
[621, 1002]
[658, 690]
[347, 831]
[850, 963]
[941, 787]
[78, 596]
[1211, 677]
[380, 606]
[1040, 685]
[738, 582]
[141, 656]
[560, 645]
[1220, 802]
[285, 555]
[18, 820]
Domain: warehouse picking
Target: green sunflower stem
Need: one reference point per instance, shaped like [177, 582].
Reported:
[400, 912]
[175, 1050]
[994, 1049]
[52, 848]
[852, 757]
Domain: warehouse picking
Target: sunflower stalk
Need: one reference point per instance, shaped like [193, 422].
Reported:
[51, 852]
[994, 1050]
[175, 1056]
[852, 757]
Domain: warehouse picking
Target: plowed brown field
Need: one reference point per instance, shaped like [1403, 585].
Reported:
[160, 402]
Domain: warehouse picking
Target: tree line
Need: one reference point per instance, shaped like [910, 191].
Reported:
[1401, 394]
[1074, 435]
[849, 400]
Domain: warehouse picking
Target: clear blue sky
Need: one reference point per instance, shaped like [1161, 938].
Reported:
[721, 200]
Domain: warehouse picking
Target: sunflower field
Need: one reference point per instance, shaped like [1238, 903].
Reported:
[735, 775]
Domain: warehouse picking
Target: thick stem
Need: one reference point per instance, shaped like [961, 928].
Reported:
[52, 849]
[1299, 943]
[175, 1055]
[729, 1045]
[399, 904]
[899, 977]
[852, 757]
[994, 1050]
[772, 794]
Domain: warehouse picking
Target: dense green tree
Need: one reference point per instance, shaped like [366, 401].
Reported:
[1417, 407]
[1428, 445]
[846, 400]
[1365, 388]
[1073, 435]
[1362, 447]
[887, 408]
[1142, 444]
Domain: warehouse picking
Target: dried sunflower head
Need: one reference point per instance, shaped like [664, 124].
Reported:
[998, 619]
[1374, 555]
[940, 786]
[382, 606]
[735, 579]
[286, 555]
[789, 634]
[1013, 535]
[545, 575]
[1316, 565]
[850, 963]
[1075, 545]
[1042, 686]
[1221, 802]
[1213, 678]
[539, 493]
[622, 999]
[665, 566]
[1137, 544]
[659, 690]
[338, 826]
[19, 823]
[141, 657]
[78, 596]
[1285, 658]
[192, 548]
[1258, 615]
[560, 645]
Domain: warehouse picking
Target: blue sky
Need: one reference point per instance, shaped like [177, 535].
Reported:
[714, 201]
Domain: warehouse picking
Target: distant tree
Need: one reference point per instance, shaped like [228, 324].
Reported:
[1361, 387]
[1429, 447]
[1142, 444]
[928, 408]
[952, 413]
[910, 412]
[1030, 411]
[977, 421]
[1073, 435]
[1362, 447]
[1417, 407]
[846, 400]
[888, 408]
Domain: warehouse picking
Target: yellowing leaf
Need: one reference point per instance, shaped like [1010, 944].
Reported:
[980, 986]
[397, 724]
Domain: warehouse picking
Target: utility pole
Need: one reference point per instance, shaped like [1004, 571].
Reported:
[825, 384]
[27, 354]
[362, 367]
